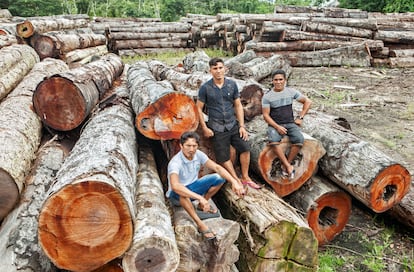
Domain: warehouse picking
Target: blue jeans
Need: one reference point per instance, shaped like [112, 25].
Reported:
[293, 132]
[200, 186]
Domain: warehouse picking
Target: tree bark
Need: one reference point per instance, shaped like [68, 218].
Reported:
[295, 45]
[17, 61]
[404, 37]
[156, 43]
[326, 207]
[295, 35]
[29, 27]
[55, 45]
[7, 39]
[265, 162]
[154, 247]
[161, 112]
[149, 51]
[63, 101]
[274, 237]
[80, 54]
[196, 62]
[401, 62]
[358, 167]
[404, 211]
[90, 207]
[21, 131]
[19, 248]
[338, 30]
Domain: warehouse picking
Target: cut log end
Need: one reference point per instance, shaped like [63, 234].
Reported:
[91, 218]
[389, 187]
[168, 117]
[9, 193]
[329, 216]
[59, 103]
[45, 47]
[251, 99]
[25, 29]
[147, 259]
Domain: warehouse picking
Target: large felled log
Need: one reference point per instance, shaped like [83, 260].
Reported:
[87, 219]
[405, 37]
[7, 39]
[295, 35]
[295, 45]
[265, 162]
[149, 51]
[401, 62]
[161, 112]
[28, 27]
[326, 207]
[156, 43]
[20, 133]
[274, 237]
[17, 61]
[19, 248]
[360, 168]
[154, 247]
[197, 61]
[404, 211]
[197, 254]
[63, 101]
[338, 30]
[54, 45]
[78, 55]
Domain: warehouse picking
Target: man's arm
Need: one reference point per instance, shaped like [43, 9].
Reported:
[183, 191]
[206, 131]
[236, 186]
[238, 109]
[305, 108]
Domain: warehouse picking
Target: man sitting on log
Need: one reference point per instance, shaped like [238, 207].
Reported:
[184, 185]
[278, 113]
[225, 126]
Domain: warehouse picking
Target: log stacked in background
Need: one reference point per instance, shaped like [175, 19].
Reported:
[274, 236]
[63, 101]
[154, 247]
[355, 165]
[87, 219]
[7, 39]
[21, 132]
[325, 206]
[161, 112]
[17, 61]
[19, 247]
[266, 164]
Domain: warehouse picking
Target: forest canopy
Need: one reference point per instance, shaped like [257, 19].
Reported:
[173, 10]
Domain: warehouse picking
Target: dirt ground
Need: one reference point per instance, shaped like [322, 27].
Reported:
[379, 105]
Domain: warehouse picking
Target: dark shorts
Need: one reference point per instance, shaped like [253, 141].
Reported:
[222, 141]
[293, 132]
[200, 186]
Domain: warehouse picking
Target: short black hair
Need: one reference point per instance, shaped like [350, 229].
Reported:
[214, 61]
[189, 134]
[279, 72]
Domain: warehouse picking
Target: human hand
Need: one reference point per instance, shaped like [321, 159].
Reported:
[281, 130]
[243, 133]
[298, 121]
[208, 133]
[204, 204]
[238, 189]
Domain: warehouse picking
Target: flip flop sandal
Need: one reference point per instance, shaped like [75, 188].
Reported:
[205, 236]
[252, 184]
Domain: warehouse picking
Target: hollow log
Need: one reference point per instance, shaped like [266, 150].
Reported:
[326, 207]
[274, 236]
[338, 30]
[19, 248]
[197, 254]
[265, 162]
[21, 132]
[161, 112]
[90, 206]
[55, 45]
[29, 27]
[358, 167]
[356, 55]
[17, 61]
[154, 247]
[63, 101]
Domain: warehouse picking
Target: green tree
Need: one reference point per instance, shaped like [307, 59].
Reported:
[27, 8]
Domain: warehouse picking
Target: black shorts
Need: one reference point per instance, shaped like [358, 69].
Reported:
[222, 141]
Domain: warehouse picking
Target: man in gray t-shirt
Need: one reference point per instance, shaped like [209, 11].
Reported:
[278, 113]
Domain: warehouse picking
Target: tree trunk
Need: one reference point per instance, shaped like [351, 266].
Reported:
[161, 112]
[7, 39]
[29, 27]
[79, 54]
[295, 45]
[358, 167]
[87, 220]
[196, 62]
[19, 248]
[63, 101]
[157, 43]
[148, 51]
[295, 35]
[21, 132]
[17, 61]
[265, 162]
[154, 247]
[275, 237]
[402, 53]
[55, 45]
[116, 36]
[326, 207]
[405, 37]
[338, 30]
[265, 68]
[197, 254]
[404, 211]
[401, 62]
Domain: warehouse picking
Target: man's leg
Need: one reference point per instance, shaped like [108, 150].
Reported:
[294, 150]
[282, 157]
[201, 226]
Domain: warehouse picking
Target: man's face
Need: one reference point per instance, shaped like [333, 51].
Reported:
[218, 71]
[189, 148]
[279, 82]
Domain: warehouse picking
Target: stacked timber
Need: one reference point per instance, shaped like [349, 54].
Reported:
[6, 39]
[64, 100]
[19, 247]
[87, 218]
[21, 132]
